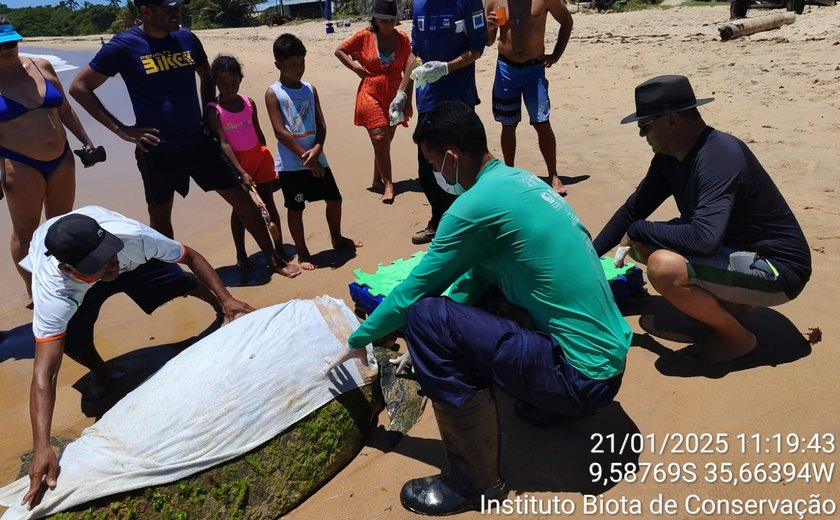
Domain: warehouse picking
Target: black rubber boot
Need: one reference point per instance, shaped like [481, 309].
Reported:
[470, 436]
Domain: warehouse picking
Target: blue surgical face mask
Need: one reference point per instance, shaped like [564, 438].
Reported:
[452, 189]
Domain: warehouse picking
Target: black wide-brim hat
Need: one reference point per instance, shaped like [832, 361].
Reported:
[663, 95]
[385, 10]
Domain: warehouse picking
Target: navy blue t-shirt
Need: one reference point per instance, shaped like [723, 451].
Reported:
[725, 198]
[442, 30]
[160, 76]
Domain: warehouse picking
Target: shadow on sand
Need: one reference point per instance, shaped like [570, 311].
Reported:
[779, 341]
[131, 369]
[568, 181]
[400, 187]
[17, 343]
[562, 458]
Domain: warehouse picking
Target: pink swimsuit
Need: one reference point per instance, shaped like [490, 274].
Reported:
[239, 131]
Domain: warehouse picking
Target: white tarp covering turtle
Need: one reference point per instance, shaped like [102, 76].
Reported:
[221, 401]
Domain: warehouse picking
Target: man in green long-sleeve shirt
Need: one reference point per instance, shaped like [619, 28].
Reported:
[510, 230]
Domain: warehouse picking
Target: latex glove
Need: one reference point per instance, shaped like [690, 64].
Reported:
[346, 353]
[401, 362]
[395, 110]
[429, 72]
[620, 253]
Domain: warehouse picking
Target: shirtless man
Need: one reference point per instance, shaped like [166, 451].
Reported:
[520, 72]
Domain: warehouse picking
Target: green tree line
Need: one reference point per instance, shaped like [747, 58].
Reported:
[70, 18]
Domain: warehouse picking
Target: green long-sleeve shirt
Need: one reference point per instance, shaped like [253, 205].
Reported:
[510, 229]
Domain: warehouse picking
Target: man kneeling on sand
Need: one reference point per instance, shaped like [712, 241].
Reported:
[510, 230]
[77, 262]
[736, 243]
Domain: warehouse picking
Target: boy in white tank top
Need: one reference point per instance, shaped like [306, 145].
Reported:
[298, 123]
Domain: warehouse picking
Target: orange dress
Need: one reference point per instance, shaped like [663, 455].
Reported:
[378, 88]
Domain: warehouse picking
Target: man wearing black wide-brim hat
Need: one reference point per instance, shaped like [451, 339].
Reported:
[736, 244]
[78, 261]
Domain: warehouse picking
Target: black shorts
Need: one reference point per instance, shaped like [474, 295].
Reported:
[169, 171]
[301, 186]
[149, 286]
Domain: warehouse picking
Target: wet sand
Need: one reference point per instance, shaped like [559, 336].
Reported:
[775, 90]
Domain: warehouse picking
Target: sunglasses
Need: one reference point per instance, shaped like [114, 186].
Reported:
[8, 45]
[644, 127]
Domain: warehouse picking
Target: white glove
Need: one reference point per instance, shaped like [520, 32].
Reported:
[346, 353]
[395, 111]
[620, 253]
[429, 72]
[401, 362]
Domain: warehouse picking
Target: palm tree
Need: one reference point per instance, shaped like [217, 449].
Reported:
[229, 13]
[128, 17]
[114, 3]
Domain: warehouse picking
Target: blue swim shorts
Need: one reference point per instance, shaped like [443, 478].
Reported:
[515, 82]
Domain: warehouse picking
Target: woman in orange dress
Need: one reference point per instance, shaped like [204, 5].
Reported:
[380, 55]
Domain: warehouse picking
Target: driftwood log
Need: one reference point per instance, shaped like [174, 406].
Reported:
[745, 26]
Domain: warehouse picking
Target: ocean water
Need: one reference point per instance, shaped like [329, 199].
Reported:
[58, 63]
[114, 183]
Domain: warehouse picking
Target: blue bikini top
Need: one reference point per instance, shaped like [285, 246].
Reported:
[11, 109]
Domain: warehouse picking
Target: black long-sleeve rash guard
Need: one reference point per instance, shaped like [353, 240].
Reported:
[725, 198]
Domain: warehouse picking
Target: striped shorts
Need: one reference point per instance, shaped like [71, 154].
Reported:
[741, 277]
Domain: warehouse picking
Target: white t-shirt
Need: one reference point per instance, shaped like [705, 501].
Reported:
[56, 295]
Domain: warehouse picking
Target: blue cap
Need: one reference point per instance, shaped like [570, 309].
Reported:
[8, 34]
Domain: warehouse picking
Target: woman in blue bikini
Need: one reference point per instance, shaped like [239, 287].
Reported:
[37, 169]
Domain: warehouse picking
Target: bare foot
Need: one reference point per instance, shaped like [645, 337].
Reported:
[346, 243]
[388, 196]
[377, 187]
[306, 263]
[718, 349]
[557, 185]
[288, 270]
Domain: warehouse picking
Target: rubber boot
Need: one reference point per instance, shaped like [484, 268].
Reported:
[470, 436]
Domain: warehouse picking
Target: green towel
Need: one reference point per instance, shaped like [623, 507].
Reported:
[386, 277]
[613, 272]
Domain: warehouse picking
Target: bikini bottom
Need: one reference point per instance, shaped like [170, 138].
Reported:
[45, 167]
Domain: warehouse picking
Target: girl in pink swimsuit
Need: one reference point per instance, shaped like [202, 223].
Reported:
[234, 122]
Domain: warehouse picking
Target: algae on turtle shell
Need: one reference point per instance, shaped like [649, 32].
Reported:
[263, 484]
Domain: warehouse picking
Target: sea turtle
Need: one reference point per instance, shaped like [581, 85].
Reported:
[275, 477]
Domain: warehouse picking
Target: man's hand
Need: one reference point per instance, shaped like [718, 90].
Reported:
[429, 72]
[395, 110]
[317, 170]
[549, 59]
[142, 136]
[234, 307]
[343, 355]
[43, 474]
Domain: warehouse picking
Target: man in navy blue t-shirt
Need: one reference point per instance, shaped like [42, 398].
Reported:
[158, 61]
[448, 36]
[736, 244]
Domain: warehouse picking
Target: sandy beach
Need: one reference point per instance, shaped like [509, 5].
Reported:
[776, 90]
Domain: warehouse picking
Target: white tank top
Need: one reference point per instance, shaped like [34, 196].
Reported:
[298, 108]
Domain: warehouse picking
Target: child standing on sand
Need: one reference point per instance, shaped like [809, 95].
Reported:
[234, 122]
[298, 123]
